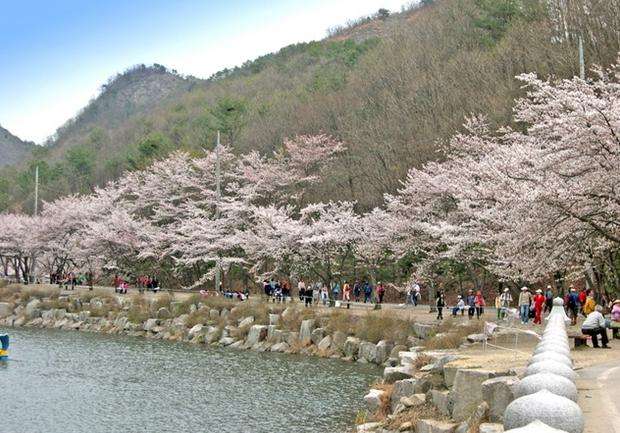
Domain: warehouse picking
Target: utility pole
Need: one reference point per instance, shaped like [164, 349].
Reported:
[36, 212]
[36, 190]
[582, 65]
[218, 190]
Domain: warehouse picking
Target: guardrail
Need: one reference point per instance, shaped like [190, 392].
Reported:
[547, 395]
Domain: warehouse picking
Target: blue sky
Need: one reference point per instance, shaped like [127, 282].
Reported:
[54, 55]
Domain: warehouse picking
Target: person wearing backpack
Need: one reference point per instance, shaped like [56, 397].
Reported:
[573, 305]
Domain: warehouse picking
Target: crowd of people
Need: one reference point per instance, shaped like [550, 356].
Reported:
[319, 293]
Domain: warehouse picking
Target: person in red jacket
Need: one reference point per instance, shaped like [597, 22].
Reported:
[539, 302]
[583, 295]
[480, 304]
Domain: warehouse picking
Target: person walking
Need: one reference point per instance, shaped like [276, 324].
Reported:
[324, 295]
[548, 299]
[525, 301]
[336, 291]
[471, 304]
[380, 292]
[539, 301]
[572, 305]
[301, 288]
[498, 305]
[583, 296]
[506, 301]
[440, 303]
[479, 304]
[367, 292]
[346, 294]
[357, 290]
[595, 326]
[414, 293]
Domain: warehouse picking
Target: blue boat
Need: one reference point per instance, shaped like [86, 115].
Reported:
[4, 350]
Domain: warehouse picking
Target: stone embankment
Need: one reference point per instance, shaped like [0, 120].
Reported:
[427, 393]
[224, 327]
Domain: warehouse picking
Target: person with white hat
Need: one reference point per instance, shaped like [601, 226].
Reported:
[525, 301]
[539, 300]
[505, 300]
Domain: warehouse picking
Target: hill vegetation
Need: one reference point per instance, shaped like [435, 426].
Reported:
[393, 88]
[12, 149]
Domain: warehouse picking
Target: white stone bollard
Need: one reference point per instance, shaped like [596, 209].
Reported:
[558, 385]
[553, 367]
[553, 410]
[535, 427]
[551, 346]
[551, 356]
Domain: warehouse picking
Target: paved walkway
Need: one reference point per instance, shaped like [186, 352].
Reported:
[599, 397]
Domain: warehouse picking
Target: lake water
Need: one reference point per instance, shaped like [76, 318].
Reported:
[66, 382]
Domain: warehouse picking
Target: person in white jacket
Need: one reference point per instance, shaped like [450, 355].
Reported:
[595, 325]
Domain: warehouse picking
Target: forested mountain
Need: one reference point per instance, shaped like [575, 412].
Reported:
[12, 149]
[393, 88]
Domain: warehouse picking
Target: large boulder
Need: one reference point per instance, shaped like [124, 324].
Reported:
[33, 309]
[317, 335]
[195, 331]
[150, 324]
[305, 331]
[423, 330]
[402, 388]
[466, 393]
[163, 313]
[368, 352]
[393, 374]
[475, 419]
[246, 321]
[274, 319]
[499, 393]
[280, 347]
[351, 347]
[373, 400]
[325, 343]
[553, 410]
[383, 351]
[212, 335]
[257, 334]
[5, 309]
[433, 426]
[441, 400]
[339, 338]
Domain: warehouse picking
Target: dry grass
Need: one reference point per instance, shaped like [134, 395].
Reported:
[421, 361]
[425, 411]
[453, 334]
[241, 332]
[199, 317]
[384, 407]
[217, 302]
[379, 325]
[292, 322]
[260, 312]
[10, 293]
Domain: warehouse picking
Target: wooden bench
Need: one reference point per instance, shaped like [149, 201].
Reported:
[580, 340]
[615, 330]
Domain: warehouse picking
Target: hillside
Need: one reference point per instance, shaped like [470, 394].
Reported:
[12, 149]
[393, 88]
